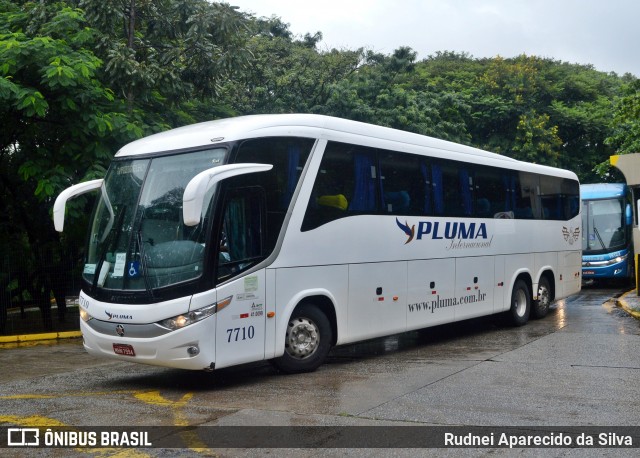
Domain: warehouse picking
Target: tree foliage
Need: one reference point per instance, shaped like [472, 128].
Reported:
[625, 128]
[286, 74]
[160, 53]
[59, 122]
[74, 87]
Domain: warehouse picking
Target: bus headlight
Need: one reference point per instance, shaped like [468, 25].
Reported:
[608, 262]
[193, 316]
[84, 315]
[620, 259]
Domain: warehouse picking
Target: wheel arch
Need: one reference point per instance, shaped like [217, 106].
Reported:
[327, 306]
[524, 275]
[520, 306]
[548, 273]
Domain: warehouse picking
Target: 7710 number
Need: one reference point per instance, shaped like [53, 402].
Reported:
[243, 333]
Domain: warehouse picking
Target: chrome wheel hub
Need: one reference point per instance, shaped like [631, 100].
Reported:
[303, 338]
[544, 298]
[520, 302]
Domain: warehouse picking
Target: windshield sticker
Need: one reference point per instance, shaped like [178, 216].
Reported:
[133, 269]
[250, 284]
[136, 168]
[118, 268]
[89, 269]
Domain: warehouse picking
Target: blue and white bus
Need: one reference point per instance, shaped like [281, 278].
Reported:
[607, 249]
[279, 236]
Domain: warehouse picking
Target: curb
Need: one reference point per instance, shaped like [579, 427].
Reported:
[623, 304]
[43, 336]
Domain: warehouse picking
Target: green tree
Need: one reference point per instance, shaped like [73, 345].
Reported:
[380, 92]
[625, 133]
[582, 109]
[535, 140]
[59, 124]
[540, 110]
[170, 59]
[287, 74]
[509, 100]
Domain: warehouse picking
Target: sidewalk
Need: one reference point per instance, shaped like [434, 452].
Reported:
[29, 328]
[630, 303]
[23, 338]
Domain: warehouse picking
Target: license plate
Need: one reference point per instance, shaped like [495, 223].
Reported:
[123, 349]
[588, 272]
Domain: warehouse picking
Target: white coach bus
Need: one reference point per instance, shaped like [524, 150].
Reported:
[276, 237]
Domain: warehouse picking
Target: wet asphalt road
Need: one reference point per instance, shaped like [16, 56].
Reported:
[579, 366]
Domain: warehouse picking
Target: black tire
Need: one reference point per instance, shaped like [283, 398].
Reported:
[520, 303]
[307, 341]
[541, 306]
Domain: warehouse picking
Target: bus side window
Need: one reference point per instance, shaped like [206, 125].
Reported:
[402, 183]
[365, 181]
[332, 194]
[571, 198]
[526, 205]
[288, 155]
[451, 188]
[489, 192]
[551, 198]
[241, 241]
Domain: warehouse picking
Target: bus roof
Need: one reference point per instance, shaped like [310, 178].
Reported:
[307, 125]
[602, 190]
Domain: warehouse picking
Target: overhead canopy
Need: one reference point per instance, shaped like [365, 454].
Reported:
[629, 165]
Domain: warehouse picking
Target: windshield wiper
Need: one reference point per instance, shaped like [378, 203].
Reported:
[143, 260]
[113, 241]
[595, 229]
[107, 202]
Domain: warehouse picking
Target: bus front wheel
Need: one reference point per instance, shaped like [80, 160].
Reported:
[307, 340]
[520, 303]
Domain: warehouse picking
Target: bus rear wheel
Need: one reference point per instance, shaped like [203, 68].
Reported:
[541, 306]
[520, 303]
[307, 341]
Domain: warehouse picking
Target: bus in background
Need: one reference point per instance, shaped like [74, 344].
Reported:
[276, 237]
[607, 221]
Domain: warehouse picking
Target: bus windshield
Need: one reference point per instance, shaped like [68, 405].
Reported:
[138, 240]
[603, 225]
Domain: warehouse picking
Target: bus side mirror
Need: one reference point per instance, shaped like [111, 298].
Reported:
[70, 192]
[196, 189]
[628, 215]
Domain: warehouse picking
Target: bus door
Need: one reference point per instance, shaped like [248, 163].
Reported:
[240, 326]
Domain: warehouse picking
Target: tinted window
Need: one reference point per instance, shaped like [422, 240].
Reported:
[490, 191]
[559, 198]
[334, 190]
[403, 184]
[357, 180]
[288, 155]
